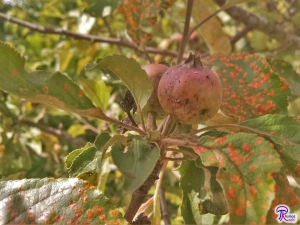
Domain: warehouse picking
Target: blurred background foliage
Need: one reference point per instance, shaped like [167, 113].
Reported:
[29, 151]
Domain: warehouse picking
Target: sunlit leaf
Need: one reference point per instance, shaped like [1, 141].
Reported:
[76, 130]
[49, 201]
[137, 162]
[250, 87]
[97, 91]
[246, 165]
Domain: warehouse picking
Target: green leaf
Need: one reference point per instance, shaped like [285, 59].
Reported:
[73, 155]
[131, 73]
[284, 194]
[192, 185]
[137, 163]
[82, 160]
[284, 131]
[41, 86]
[14, 157]
[142, 14]
[101, 140]
[98, 8]
[49, 201]
[250, 87]
[286, 71]
[246, 165]
[6, 111]
[97, 91]
[86, 163]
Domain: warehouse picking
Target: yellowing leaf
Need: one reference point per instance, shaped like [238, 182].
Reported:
[28, 106]
[65, 56]
[97, 91]
[211, 31]
[76, 130]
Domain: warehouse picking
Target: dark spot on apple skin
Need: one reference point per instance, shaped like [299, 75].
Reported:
[207, 77]
[203, 111]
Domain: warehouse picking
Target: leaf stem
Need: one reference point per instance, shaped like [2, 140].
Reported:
[127, 126]
[186, 33]
[166, 124]
[226, 126]
[157, 188]
[142, 119]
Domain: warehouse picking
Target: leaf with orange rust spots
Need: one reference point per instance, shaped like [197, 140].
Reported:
[192, 185]
[284, 132]
[41, 86]
[250, 88]
[142, 13]
[286, 71]
[49, 201]
[284, 194]
[246, 164]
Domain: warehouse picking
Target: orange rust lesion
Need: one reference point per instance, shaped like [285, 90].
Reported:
[46, 89]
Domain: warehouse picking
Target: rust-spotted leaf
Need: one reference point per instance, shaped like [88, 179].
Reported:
[250, 87]
[54, 89]
[284, 194]
[284, 132]
[286, 71]
[49, 201]
[247, 163]
[142, 13]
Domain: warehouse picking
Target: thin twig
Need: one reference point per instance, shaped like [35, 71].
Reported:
[127, 126]
[147, 54]
[110, 32]
[273, 30]
[88, 37]
[89, 126]
[204, 21]
[60, 134]
[163, 206]
[166, 124]
[139, 195]
[161, 125]
[172, 159]
[226, 126]
[186, 33]
[183, 152]
[240, 35]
